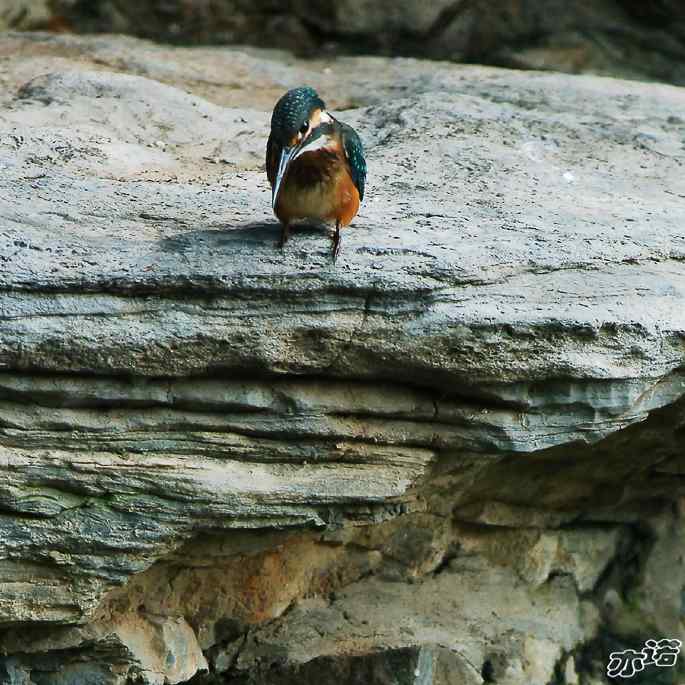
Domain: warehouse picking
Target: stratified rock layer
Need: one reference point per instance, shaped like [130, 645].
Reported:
[453, 456]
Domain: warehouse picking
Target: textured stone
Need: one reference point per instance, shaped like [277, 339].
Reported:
[537, 554]
[421, 665]
[521, 643]
[626, 38]
[25, 14]
[460, 445]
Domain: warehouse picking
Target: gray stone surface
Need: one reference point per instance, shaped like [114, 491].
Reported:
[465, 436]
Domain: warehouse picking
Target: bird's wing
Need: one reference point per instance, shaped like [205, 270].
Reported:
[273, 153]
[354, 151]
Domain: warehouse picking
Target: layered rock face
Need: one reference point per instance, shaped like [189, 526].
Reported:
[626, 38]
[454, 456]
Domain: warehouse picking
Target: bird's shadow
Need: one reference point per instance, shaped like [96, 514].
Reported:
[253, 234]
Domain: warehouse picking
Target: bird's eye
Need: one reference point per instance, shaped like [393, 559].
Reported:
[304, 128]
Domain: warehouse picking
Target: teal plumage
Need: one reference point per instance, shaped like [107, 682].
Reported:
[354, 151]
[315, 163]
[292, 110]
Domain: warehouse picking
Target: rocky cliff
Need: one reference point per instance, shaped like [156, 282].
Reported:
[455, 456]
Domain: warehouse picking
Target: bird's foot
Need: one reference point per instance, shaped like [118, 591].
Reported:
[336, 242]
[285, 234]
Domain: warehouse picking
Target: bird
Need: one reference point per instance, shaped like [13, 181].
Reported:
[315, 164]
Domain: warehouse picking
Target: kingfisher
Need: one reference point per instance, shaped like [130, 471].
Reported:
[315, 164]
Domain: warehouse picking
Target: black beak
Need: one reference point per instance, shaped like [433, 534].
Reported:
[287, 153]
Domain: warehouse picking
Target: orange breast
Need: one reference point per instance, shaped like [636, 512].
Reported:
[329, 196]
[347, 199]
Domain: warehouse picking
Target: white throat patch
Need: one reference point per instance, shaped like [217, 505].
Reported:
[320, 143]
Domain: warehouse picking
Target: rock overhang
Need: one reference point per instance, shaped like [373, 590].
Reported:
[509, 302]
